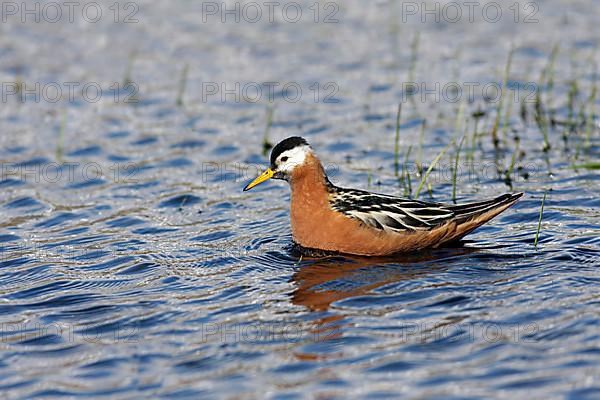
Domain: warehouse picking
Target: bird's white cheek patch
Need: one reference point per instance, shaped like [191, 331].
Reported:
[296, 157]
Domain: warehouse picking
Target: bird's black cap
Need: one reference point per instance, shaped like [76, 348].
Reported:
[285, 145]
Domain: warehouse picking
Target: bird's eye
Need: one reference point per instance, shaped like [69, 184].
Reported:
[284, 159]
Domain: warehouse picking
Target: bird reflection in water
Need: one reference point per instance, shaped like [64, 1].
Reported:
[320, 282]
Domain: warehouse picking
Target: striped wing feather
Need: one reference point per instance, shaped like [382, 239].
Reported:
[389, 213]
[397, 214]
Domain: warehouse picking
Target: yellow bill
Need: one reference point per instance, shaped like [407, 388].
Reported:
[265, 176]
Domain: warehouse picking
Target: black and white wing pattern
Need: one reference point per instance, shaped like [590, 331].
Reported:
[389, 213]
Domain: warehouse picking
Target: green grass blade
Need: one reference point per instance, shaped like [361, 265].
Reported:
[405, 175]
[455, 171]
[61, 137]
[420, 149]
[266, 145]
[435, 161]
[495, 139]
[539, 227]
[182, 84]
[591, 165]
[397, 141]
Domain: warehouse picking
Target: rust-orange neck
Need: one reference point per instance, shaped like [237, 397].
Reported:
[309, 183]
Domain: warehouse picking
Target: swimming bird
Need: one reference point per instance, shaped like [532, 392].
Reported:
[326, 217]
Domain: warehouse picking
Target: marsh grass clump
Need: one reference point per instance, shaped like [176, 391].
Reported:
[570, 117]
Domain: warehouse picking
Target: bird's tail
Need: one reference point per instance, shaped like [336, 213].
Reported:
[472, 215]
